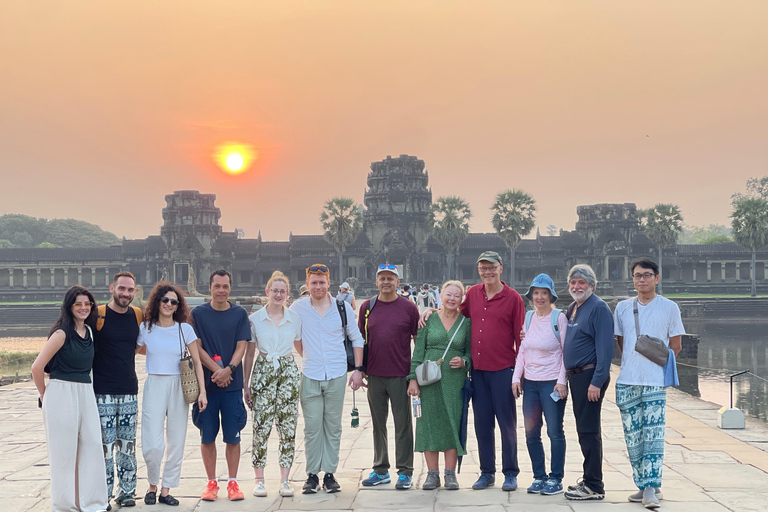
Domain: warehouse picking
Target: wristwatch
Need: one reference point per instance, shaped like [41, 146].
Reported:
[360, 368]
[232, 368]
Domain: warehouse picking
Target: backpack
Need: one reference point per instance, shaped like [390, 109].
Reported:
[101, 311]
[553, 321]
[340, 304]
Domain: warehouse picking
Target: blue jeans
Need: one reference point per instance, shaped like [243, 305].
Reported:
[537, 400]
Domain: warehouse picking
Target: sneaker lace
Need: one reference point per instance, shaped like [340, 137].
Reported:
[233, 487]
[212, 485]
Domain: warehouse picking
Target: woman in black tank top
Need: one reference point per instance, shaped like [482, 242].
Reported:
[72, 426]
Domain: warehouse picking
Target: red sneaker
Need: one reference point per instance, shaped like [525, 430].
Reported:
[233, 491]
[211, 491]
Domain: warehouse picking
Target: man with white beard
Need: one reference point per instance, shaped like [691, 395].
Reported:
[587, 354]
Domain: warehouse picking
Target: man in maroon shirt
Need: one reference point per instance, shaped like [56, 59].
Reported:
[497, 314]
[388, 327]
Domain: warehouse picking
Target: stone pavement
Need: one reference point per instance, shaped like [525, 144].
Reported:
[706, 469]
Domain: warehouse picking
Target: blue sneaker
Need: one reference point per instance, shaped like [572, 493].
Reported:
[552, 487]
[510, 483]
[375, 479]
[536, 486]
[485, 481]
[403, 482]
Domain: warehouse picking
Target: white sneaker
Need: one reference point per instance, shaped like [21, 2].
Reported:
[285, 489]
[260, 490]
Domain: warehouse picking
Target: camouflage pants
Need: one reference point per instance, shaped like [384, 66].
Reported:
[275, 395]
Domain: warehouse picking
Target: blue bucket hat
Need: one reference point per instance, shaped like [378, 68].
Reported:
[542, 281]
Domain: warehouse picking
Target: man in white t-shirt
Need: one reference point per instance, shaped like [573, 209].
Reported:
[640, 392]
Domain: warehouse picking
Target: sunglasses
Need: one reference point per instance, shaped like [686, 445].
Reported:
[387, 267]
[166, 300]
[83, 304]
[318, 268]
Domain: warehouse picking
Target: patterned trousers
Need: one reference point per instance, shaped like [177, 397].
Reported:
[275, 395]
[118, 432]
[643, 415]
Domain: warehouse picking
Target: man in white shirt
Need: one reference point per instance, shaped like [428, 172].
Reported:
[640, 392]
[323, 377]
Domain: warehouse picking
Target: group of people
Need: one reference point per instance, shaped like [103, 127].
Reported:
[480, 338]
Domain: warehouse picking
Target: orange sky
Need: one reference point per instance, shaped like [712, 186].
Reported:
[105, 107]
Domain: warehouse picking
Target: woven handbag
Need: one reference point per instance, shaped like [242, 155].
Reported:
[189, 385]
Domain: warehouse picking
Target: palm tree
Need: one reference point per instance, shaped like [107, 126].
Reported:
[450, 226]
[342, 223]
[662, 224]
[750, 227]
[514, 213]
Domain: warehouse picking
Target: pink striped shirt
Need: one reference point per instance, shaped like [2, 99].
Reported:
[541, 353]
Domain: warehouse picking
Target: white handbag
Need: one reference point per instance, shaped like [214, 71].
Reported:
[429, 372]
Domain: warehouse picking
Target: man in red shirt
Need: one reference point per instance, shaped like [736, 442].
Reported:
[497, 314]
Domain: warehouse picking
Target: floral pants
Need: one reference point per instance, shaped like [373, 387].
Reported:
[275, 396]
[643, 416]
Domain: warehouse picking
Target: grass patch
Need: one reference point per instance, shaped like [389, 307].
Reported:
[12, 362]
[711, 296]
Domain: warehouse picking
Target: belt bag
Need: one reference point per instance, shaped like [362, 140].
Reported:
[429, 372]
[189, 385]
[653, 349]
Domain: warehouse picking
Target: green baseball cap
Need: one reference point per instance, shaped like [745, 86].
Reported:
[491, 256]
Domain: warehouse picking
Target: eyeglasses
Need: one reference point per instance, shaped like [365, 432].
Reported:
[387, 267]
[646, 276]
[488, 269]
[278, 292]
[83, 304]
[318, 268]
[166, 300]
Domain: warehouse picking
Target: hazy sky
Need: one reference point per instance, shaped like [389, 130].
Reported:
[105, 107]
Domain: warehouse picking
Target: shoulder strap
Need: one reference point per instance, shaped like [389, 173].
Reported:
[90, 332]
[569, 313]
[528, 317]
[555, 325]
[139, 315]
[342, 314]
[637, 317]
[454, 335]
[101, 313]
[371, 303]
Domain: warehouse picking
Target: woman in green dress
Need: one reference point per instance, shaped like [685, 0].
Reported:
[437, 430]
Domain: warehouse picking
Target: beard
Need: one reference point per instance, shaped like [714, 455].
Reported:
[580, 296]
[123, 302]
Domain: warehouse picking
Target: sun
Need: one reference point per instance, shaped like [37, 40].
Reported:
[234, 157]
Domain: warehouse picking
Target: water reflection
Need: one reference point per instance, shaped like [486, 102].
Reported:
[727, 347]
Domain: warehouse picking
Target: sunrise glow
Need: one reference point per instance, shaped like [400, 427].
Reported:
[234, 157]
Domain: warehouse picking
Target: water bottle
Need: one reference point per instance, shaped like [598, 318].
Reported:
[217, 359]
[417, 407]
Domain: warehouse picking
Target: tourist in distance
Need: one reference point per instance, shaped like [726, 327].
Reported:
[303, 291]
[424, 299]
[165, 332]
[587, 353]
[70, 416]
[539, 374]
[497, 312]
[273, 391]
[116, 385]
[640, 387]
[438, 428]
[346, 295]
[224, 330]
[324, 369]
[388, 328]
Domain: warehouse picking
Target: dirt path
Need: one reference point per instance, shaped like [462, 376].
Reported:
[22, 344]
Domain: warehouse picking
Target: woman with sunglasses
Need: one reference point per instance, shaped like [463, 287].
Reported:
[165, 332]
[274, 391]
[72, 425]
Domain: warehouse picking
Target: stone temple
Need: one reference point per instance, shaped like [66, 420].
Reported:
[396, 230]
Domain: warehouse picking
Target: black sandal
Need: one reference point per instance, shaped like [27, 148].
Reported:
[168, 500]
[150, 498]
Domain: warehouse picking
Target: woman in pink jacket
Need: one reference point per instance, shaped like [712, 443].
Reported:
[540, 377]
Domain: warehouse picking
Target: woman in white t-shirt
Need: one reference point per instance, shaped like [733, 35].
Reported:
[164, 332]
[273, 393]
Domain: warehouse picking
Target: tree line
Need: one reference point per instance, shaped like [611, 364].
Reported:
[514, 216]
[18, 231]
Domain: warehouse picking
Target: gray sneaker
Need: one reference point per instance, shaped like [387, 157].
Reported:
[451, 483]
[432, 481]
[638, 496]
[649, 498]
